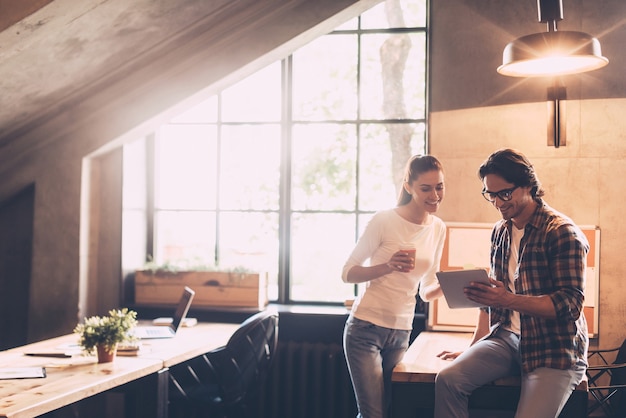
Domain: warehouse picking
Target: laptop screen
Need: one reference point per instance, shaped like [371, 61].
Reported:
[183, 307]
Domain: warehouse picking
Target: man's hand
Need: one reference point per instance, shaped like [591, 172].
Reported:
[493, 294]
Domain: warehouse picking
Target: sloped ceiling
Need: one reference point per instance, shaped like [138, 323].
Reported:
[73, 61]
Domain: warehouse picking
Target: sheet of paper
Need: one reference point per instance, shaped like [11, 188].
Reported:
[22, 372]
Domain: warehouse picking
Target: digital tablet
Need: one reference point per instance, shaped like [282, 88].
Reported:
[453, 282]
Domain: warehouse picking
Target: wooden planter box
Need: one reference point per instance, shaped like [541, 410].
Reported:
[243, 290]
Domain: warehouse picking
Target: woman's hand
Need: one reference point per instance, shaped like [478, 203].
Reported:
[401, 261]
[449, 355]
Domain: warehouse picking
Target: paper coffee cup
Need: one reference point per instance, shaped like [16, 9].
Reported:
[409, 248]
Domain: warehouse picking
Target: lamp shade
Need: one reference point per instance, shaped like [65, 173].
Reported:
[551, 54]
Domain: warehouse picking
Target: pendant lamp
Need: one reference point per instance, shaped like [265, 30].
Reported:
[554, 52]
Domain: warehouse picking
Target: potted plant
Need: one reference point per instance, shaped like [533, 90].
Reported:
[103, 334]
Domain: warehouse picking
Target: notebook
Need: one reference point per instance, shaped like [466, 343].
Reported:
[453, 282]
[161, 331]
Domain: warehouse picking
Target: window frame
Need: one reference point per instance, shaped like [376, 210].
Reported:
[287, 122]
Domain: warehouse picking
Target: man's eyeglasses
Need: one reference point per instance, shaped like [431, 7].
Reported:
[504, 195]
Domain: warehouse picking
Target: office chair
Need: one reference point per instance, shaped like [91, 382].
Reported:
[610, 398]
[223, 382]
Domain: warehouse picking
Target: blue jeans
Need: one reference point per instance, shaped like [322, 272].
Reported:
[544, 391]
[371, 353]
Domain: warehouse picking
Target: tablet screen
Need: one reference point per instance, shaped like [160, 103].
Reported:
[453, 282]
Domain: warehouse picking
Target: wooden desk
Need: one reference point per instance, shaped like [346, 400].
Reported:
[73, 379]
[413, 382]
[188, 343]
[420, 362]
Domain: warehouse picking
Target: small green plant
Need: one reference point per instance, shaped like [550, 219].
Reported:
[172, 267]
[106, 330]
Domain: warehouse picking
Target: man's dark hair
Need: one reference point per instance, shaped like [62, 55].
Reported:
[513, 167]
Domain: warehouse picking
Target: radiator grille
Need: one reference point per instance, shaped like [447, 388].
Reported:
[308, 380]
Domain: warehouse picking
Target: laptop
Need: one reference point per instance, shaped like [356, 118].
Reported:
[144, 332]
[453, 282]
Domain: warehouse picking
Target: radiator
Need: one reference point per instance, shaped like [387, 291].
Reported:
[308, 380]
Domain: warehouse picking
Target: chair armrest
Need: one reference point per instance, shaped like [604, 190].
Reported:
[611, 387]
[602, 350]
[608, 367]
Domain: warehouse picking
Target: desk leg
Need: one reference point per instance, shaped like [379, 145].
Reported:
[576, 405]
[148, 396]
[412, 400]
[163, 394]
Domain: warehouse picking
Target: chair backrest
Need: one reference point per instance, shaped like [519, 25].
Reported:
[244, 362]
[618, 377]
[621, 354]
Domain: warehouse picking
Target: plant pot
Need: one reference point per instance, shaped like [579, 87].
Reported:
[212, 288]
[106, 355]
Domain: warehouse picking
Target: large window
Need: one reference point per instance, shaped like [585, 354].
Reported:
[281, 171]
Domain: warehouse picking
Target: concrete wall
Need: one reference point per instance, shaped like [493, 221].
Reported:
[476, 111]
[584, 179]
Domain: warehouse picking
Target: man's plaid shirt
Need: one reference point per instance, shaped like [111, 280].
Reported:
[553, 254]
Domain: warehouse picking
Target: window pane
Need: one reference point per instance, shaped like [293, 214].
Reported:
[255, 99]
[134, 201]
[323, 167]
[351, 24]
[377, 189]
[185, 238]
[324, 79]
[321, 244]
[134, 239]
[250, 240]
[395, 14]
[363, 221]
[250, 167]
[205, 112]
[134, 175]
[186, 157]
[404, 87]
[378, 185]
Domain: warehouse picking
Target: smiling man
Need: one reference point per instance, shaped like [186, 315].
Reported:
[534, 324]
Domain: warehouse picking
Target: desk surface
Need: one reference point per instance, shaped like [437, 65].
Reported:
[420, 362]
[414, 381]
[72, 379]
[188, 343]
